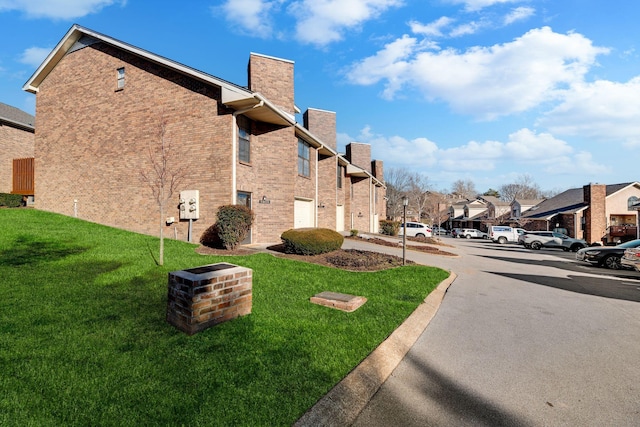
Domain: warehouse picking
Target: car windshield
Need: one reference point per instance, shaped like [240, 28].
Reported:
[630, 244]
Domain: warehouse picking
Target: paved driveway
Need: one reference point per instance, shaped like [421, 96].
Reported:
[522, 338]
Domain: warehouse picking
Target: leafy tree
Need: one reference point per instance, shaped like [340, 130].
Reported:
[491, 192]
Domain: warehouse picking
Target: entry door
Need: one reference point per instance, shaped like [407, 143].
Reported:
[303, 213]
[245, 200]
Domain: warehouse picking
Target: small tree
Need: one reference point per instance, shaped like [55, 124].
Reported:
[163, 176]
[233, 224]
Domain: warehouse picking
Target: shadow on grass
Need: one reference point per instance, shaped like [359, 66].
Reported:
[29, 250]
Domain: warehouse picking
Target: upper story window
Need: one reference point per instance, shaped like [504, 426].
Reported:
[339, 176]
[244, 142]
[120, 77]
[632, 201]
[304, 153]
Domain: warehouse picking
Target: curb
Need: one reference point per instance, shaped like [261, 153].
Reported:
[344, 402]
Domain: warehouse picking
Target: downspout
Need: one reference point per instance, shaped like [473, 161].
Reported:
[317, 201]
[234, 150]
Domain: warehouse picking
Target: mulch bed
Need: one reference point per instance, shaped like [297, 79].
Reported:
[421, 248]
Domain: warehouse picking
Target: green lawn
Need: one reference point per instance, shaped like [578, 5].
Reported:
[84, 341]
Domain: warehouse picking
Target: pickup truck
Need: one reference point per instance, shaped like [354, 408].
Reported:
[504, 234]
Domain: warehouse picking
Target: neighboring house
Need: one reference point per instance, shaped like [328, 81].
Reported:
[16, 150]
[475, 214]
[456, 214]
[595, 212]
[520, 206]
[102, 104]
[498, 211]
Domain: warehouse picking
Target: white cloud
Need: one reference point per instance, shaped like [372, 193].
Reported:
[486, 82]
[519, 14]
[475, 5]
[321, 22]
[252, 16]
[433, 29]
[57, 9]
[34, 56]
[603, 110]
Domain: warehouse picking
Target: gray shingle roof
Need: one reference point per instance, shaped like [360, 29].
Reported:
[568, 201]
[13, 115]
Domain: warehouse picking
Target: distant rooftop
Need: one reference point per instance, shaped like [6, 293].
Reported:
[13, 115]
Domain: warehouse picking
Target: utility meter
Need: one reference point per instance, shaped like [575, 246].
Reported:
[189, 204]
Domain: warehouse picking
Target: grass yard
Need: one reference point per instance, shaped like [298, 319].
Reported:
[84, 341]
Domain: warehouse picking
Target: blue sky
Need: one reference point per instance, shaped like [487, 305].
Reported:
[485, 90]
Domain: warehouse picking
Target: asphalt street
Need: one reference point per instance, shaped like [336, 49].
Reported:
[522, 338]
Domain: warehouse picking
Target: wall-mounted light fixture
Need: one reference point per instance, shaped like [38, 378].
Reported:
[264, 200]
[360, 215]
[322, 205]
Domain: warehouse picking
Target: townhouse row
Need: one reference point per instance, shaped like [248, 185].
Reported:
[105, 109]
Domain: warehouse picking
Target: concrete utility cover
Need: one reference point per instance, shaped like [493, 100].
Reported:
[340, 301]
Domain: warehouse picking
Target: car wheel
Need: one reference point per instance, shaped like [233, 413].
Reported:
[420, 235]
[536, 246]
[502, 240]
[565, 249]
[612, 262]
[468, 236]
[576, 248]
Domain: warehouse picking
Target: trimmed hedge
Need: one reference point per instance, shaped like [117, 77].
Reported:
[232, 226]
[390, 228]
[311, 241]
[11, 200]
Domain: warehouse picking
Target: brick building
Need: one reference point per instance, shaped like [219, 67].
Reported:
[596, 213]
[16, 150]
[103, 104]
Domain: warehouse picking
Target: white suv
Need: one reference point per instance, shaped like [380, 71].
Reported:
[415, 229]
[472, 233]
[551, 239]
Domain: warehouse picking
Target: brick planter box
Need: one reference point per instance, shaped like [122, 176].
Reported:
[201, 297]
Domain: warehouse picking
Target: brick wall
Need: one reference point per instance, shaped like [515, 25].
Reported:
[595, 215]
[377, 169]
[92, 140]
[322, 124]
[15, 144]
[360, 202]
[327, 185]
[273, 78]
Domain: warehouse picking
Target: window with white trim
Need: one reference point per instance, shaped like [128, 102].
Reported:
[304, 153]
[120, 78]
[244, 141]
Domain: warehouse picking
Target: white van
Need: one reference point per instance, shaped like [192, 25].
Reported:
[505, 234]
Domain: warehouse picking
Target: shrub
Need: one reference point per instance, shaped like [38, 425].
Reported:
[11, 200]
[232, 226]
[354, 232]
[311, 241]
[390, 228]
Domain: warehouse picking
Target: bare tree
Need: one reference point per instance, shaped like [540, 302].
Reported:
[163, 176]
[523, 188]
[397, 181]
[464, 188]
[436, 207]
[418, 192]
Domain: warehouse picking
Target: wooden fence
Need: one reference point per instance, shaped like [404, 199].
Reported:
[23, 176]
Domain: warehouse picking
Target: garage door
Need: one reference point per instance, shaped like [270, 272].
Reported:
[303, 213]
[340, 218]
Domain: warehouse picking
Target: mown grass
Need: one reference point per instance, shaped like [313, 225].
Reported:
[84, 341]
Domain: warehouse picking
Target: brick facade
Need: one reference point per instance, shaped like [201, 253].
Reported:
[93, 141]
[15, 143]
[322, 124]
[360, 155]
[595, 216]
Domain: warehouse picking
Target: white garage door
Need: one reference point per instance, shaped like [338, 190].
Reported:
[340, 218]
[303, 213]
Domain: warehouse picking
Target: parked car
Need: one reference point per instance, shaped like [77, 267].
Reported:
[503, 234]
[455, 232]
[415, 229]
[608, 256]
[550, 239]
[472, 233]
[439, 231]
[631, 258]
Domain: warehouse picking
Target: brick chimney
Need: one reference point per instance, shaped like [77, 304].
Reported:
[273, 78]
[322, 124]
[378, 171]
[595, 216]
[359, 154]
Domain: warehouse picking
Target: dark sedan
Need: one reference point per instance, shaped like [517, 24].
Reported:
[608, 256]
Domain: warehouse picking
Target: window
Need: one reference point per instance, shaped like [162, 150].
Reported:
[303, 158]
[244, 144]
[120, 76]
[339, 176]
[632, 201]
